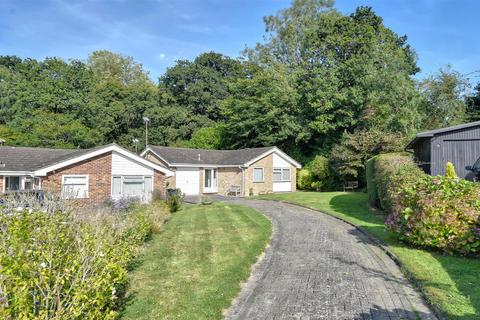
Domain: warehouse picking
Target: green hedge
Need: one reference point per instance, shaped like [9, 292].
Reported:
[61, 265]
[381, 173]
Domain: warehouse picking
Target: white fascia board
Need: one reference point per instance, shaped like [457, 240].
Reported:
[279, 152]
[144, 152]
[17, 173]
[110, 148]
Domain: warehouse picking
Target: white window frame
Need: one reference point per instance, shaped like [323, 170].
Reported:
[23, 179]
[64, 196]
[263, 175]
[281, 170]
[123, 181]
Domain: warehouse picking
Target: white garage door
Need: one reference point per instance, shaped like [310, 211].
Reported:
[282, 186]
[188, 180]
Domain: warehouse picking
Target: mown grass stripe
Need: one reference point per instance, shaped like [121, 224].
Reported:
[207, 257]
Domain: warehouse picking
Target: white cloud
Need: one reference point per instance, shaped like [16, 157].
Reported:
[161, 56]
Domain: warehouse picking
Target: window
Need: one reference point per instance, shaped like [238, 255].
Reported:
[210, 178]
[257, 174]
[75, 187]
[131, 186]
[12, 183]
[281, 174]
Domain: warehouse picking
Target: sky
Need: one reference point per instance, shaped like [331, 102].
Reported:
[159, 32]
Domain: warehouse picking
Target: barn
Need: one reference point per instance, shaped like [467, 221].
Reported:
[458, 144]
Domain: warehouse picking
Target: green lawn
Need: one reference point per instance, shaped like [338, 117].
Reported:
[452, 283]
[194, 267]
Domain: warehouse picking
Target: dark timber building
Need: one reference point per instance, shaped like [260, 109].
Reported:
[458, 144]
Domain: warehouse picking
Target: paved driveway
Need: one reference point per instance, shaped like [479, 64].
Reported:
[318, 267]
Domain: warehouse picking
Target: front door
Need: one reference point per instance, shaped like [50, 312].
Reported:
[211, 181]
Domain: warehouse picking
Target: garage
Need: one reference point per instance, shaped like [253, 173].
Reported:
[188, 180]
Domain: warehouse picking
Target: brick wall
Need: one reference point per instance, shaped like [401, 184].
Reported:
[260, 187]
[228, 177]
[99, 179]
[159, 182]
[168, 180]
[267, 185]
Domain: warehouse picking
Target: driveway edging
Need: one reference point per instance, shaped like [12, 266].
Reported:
[417, 284]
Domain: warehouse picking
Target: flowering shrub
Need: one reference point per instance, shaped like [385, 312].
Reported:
[439, 212]
[67, 265]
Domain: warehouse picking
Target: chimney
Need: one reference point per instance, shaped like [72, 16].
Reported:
[199, 159]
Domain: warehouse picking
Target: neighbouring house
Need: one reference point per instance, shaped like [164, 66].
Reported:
[90, 176]
[458, 144]
[241, 172]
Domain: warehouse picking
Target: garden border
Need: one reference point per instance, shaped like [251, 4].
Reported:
[416, 283]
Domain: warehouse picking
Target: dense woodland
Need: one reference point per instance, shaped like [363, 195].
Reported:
[342, 87]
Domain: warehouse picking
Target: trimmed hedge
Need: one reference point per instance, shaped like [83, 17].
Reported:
[382, 177]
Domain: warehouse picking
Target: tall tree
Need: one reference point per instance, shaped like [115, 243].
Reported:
[200, 85]
[351, 71]
[444, 96]
[473, 105]
[111, 66]
[263, 110]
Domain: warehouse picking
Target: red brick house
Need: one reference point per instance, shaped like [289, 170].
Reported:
[90, 176]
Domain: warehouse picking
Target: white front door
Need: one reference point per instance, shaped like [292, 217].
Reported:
[211, 180]
[188, 180]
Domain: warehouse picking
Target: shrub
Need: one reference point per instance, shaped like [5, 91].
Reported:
[304, 179]
[439, 212]
[349, 156]
[315, 175]
[68, 265]
[174, 199]
[387, 174]
[450, 171]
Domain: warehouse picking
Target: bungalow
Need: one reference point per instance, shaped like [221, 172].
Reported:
[90, 176]
[458, 144]
[241, 172]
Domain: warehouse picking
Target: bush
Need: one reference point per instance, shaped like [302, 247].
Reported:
[315, 175]
[436, 212]
[439, 212]
[174, 199]
[68, 265]
[450, 171]
[386, 174]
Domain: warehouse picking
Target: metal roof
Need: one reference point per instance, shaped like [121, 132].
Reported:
[428, 134]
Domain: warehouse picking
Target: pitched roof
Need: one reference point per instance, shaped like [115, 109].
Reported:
[431, 133]
[207, 157]
[30, 159]
[428, 134]
[40, 160]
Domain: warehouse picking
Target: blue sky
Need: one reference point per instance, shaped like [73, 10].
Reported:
[158, 32]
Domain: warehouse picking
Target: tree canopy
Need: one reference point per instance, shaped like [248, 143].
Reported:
[321, 83]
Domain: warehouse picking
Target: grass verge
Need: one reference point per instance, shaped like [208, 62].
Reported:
[451, 283]
[194, 267]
